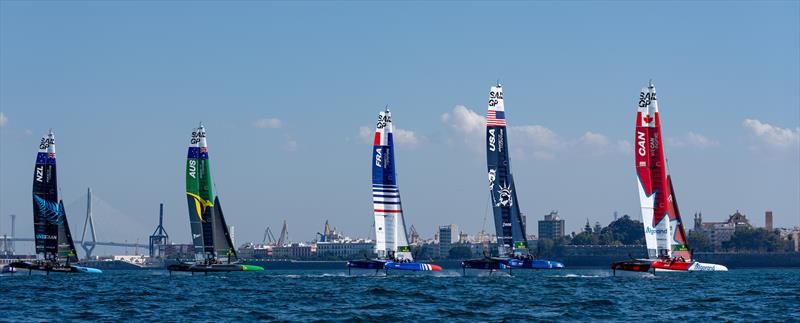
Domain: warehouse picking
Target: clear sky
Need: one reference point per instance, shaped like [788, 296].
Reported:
[289, 93]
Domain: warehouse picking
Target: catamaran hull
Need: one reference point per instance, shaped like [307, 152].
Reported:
[644, 265]
[55, 268]
[366, 264]
[535, 264]
[411, 266]
[487, 264]
[632, 265]
[196, 268]
[667, 266]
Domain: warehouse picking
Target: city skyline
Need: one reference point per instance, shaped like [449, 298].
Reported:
[290, 107]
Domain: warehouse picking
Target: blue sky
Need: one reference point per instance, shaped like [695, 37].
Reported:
[285, 90]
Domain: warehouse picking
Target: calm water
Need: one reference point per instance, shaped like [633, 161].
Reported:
[570, 295]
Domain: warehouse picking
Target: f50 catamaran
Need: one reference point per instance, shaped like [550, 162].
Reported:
[55, 250]
[667, 247]
[213, 248]
[391, 239]
[512, 241]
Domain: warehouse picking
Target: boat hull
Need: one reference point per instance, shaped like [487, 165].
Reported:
[485, 263]
[200, 268]
[632, 265]
[49, 267]
[535, 264]
[411, 266]
[367, 264]
[685, 266]
[644, 265]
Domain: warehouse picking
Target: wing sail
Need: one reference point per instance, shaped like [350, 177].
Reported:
[510, 229]
[391, 240]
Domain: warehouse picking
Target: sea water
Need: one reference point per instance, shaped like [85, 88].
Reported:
[332, 295]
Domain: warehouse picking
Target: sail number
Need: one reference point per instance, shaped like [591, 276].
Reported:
[646, 98]
[495, 97]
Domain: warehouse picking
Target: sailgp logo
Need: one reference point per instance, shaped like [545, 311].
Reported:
[491, 140]
[650, 230]
[383, 120]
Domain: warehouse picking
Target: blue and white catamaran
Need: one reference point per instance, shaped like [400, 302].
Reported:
[512, 242]
[55, 250]
[391, 239]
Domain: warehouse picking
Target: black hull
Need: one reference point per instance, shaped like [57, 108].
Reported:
[485, 263]
[201, 268]
[631, 265]
[366, 264]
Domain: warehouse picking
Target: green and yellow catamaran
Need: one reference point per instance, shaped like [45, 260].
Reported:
[211, 239]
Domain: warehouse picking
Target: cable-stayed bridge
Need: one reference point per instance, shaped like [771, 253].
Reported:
[91, 204]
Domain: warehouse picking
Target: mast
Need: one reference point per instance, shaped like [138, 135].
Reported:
[510, 229]
[391, 239]
[652, 182]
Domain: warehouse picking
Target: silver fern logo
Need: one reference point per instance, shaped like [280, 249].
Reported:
[50, 211]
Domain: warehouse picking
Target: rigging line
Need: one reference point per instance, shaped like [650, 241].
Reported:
[484, 241]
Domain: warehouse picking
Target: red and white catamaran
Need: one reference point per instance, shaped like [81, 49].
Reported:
[667, 247]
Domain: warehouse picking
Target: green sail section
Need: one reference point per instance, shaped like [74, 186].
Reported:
[207, 195]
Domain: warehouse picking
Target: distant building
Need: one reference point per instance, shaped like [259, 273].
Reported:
[463, 237]
[768, 220]
[719, 232]
[176, 250]
[447, 237]
[791, 238]
[414, 238]
[345, 248]
[552, 227]
[255, 251]
[294, 250]
[329, 234]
